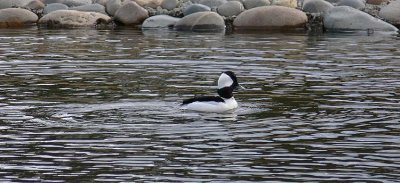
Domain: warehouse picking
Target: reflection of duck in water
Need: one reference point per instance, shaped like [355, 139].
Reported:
[227, 82]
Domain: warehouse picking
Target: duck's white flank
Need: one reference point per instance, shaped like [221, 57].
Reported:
[212, 106]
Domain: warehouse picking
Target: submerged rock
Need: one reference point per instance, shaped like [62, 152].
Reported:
[16, 17]
[391, 12]
[200, 22]
[348, 18]
[159, 21]
[270, 18]
[73, 18]
[131, 14]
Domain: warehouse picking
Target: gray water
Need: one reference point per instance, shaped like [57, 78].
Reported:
[103, 105]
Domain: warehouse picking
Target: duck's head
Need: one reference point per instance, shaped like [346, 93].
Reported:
[227, 82]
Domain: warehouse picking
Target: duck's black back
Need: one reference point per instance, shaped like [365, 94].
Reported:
[203, 99]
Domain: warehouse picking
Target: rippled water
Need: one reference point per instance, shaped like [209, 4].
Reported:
[103, 105]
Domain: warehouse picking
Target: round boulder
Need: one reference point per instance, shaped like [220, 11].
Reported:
[213, 3]
[16, 17]
[287, 3]
[131, 14]
[230, 8]
[149, 3]
[317, 6]
[194, 8]
[270, 18]
[333, 1]
[54, 7]
[169, 4]
[102, 2]
[73, 18]
[52, 1]
[348, 18]
[13, 3]
[201, 22]
[357, 4]
[112, 6]
[90, 8]
[159, 21]
[69, 3]
[391, 12]
[248, 4]
[35, 5]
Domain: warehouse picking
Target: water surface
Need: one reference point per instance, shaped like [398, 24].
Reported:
[103, 105]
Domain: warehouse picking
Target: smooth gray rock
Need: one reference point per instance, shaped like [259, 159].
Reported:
[230, 8]
[169, 4]
[159, 21]
[35, 5]
[248, 4]
[112, 6]
[69, 3]
[90, 8]
[242, 1]
[333, 1]
[72, 3]
[131, 14]
[213, 3]
[391, 12]
[348, 18]
[271, 18]
[194, 8]
[316, 6]
[54, 7]
[102, 2]
[201, 22]
[16, 17]
[73, 18]
[149, 3]
[287, 3]
[46, 2]
[52, 1]
[357, 4]
[13, 3]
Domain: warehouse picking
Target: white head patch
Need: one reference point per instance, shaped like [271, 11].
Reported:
[224, 81]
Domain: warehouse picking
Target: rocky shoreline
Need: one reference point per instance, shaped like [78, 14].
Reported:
[205, 15]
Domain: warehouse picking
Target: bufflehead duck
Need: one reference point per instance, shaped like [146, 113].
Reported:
[227, 82]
